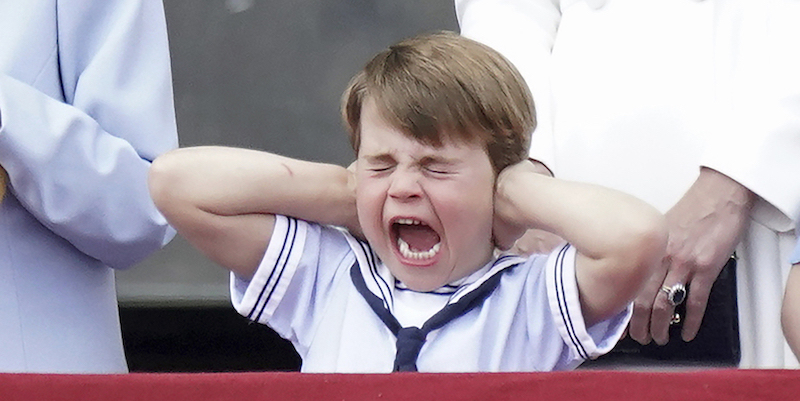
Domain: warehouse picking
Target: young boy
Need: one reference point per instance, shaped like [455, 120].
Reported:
[440, 125]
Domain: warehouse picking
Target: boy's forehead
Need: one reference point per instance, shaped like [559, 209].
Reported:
[393, 142]
[373, 122]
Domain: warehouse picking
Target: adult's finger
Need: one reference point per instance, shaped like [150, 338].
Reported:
[639, 326]
[696, 305]
[663, 309]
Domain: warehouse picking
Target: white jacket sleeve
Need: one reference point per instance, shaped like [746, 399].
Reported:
[758, 92]
[524, 32]
[79, 164]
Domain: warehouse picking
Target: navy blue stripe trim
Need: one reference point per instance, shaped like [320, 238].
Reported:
[282, 270]
[386, 294]
[562, 303]
[266, 284]
[375, 303]
[289, 239]
[502, 258]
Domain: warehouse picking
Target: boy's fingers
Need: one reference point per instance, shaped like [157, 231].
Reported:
[536, 242]
[664, 309]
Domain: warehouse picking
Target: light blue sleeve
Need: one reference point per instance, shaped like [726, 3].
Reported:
[78, 160]
[796, 254]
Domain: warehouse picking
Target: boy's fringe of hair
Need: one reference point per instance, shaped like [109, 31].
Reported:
[443, 87]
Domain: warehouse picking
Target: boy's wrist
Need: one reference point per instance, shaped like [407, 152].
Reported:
[511, 189]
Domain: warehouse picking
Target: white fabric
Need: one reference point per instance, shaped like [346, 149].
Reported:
[85, 105]
[637, 95]
[531, 322]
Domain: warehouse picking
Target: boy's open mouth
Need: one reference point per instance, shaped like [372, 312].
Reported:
[415, 239]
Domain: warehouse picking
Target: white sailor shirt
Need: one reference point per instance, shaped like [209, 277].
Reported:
[531, 322]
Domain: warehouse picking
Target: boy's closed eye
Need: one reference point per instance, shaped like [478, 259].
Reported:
[379, 164]
[438, 166]
[379, 169]
[439, 170]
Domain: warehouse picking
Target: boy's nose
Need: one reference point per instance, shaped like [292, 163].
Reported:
[405, 185]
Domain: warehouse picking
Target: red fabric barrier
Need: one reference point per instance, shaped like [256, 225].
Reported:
[728, 385]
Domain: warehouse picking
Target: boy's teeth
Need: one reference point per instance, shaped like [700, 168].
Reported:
[409, 222]
[406, 251]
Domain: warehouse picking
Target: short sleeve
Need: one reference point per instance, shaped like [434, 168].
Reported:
[565, 307]
[302, 269]
[258, 298]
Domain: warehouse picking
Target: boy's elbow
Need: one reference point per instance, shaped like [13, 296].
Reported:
[163, 181]
[158, 181]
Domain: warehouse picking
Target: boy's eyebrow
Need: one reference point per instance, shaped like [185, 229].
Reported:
[383, 158]
[379, 158]
[437, 159]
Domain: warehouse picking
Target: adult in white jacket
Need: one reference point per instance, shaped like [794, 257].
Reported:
[85, 106]
[691, 105]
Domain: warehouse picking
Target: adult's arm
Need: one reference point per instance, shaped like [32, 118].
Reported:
[704, 226]
[750, 164]
[80, 165]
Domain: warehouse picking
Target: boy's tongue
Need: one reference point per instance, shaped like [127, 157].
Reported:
[419, 237]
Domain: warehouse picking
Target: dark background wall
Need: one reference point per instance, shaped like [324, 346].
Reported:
[264, 75]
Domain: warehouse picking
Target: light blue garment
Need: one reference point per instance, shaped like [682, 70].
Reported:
[85, 106]
[795, 259]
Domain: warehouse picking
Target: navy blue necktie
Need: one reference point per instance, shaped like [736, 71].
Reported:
[411, 339]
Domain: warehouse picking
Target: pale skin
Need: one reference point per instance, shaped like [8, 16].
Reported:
[536, 241]
[704, 228]
[223, 201]
[619, 238]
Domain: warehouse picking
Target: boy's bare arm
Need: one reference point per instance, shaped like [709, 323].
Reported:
[223, 200]
[619, 239]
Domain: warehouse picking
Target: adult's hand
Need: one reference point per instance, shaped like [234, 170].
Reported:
[704, 228]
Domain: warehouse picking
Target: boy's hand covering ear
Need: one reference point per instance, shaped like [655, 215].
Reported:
[507, 229]
[536, 241]
[354, 227]
[517, 239]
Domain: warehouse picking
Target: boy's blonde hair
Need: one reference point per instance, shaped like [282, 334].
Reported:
[443, 87]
